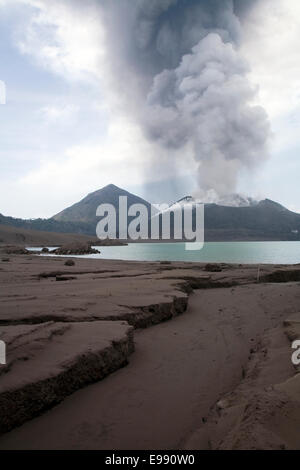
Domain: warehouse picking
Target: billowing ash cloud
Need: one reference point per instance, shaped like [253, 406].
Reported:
[178, 64]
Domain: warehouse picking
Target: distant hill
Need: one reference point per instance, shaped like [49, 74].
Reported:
[263, 220]
[249, 220]
[22, 236]
[84, 211]
[47, 225]
[80, 217]
[267, 220]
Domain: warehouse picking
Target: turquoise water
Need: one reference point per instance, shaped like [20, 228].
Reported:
[226, 252]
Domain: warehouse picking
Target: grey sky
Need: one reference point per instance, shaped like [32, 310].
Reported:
[99, 94]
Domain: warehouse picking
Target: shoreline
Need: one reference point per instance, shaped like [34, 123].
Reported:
[254, 253]
[10, 234]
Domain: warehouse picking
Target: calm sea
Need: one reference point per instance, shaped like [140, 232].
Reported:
[226, 252]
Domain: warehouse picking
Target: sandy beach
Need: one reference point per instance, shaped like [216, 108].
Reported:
[206, 349]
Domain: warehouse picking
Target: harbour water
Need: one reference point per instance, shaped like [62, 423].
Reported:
[226, 252]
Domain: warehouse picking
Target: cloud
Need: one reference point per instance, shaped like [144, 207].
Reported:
[63, 37]
[271, 38]
[63, 114]
[2, 92]
[206, 100]
[190, 83]
[174, 71]
[80, 169]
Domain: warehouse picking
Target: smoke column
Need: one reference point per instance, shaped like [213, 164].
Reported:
[178, 65]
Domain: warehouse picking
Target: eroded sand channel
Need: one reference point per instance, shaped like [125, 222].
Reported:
[179, 370]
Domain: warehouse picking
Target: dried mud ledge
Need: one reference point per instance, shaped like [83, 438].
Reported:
[138, 317]
[29, 401]
[22, 404]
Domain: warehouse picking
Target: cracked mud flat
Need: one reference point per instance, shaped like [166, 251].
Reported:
[217, 375]
[49, 361]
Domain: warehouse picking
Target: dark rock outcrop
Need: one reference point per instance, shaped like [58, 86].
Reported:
[70, 262]
[75, 249]
[16, 250]
[213, 268]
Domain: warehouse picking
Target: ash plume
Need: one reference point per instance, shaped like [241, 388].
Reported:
[177, 62]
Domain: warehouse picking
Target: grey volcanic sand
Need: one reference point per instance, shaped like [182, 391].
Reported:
[179, 370]
[217, 376]
[48, 361]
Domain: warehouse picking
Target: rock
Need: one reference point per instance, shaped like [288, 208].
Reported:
[16, 250]
[70, 262]
[213, 268]
[222, 404]
[45, 250]
[5, 260]
[292, 326]
[75, 249]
